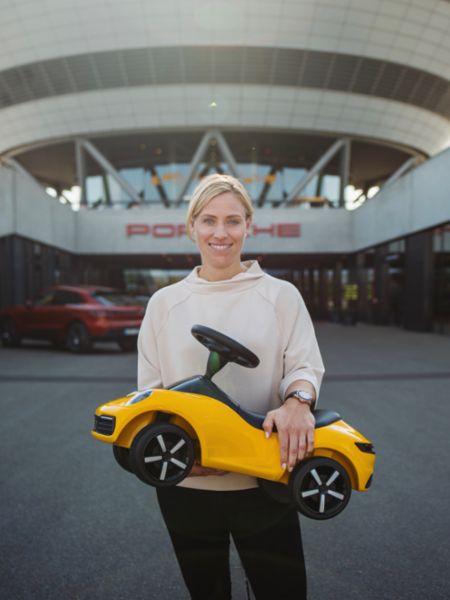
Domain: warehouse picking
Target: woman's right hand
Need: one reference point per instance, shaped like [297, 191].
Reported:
[199, 471]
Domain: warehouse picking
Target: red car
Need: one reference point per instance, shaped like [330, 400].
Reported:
[75, 317]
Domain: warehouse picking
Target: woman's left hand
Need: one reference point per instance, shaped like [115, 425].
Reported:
[295, 425]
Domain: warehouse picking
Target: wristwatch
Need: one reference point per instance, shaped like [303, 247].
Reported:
[302, 396]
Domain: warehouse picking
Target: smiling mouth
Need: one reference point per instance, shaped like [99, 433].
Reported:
[220, 246]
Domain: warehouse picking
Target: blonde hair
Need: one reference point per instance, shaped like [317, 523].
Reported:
[212, 186]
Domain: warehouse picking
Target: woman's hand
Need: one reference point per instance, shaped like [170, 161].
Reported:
[295, 425]
[199, 471]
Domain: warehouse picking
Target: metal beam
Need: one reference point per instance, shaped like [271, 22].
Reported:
[319, 165]
[81, 171]
[199, 154]
[11, 162]
[106, 189]
[404, 168]
[344, 171]
[108, 167]
[226, 153]
[18, 167]
[267, 185]
[159, 186]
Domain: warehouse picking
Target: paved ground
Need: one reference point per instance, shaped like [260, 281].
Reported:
[74, 526]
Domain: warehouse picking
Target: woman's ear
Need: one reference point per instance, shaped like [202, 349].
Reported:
[248, 225]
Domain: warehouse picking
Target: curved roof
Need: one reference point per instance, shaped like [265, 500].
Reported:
[374, 70]
[271, 66]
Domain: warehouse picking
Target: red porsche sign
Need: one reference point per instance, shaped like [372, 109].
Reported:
[171, 230]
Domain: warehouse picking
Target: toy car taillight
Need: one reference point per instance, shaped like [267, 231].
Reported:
[365, 447]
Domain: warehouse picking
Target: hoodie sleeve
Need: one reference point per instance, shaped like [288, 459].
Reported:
[302, 358]
[148, 371]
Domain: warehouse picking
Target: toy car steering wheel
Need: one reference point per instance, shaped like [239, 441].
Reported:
[229, 349]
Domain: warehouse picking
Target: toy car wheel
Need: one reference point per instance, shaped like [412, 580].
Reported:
[10, 337]
[320, 488]
[162, 455]
[122, 456]
[78, 338]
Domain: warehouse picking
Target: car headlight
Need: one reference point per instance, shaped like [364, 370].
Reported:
[138, 397]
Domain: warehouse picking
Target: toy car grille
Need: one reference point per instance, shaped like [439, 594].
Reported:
[104, 425]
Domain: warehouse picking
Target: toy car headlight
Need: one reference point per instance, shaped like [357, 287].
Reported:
[138, 397]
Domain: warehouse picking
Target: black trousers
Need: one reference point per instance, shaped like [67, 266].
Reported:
[266, 535]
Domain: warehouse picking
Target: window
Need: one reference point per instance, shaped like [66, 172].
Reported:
[62, 297]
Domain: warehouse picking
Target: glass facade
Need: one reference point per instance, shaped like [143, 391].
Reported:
[168, 179]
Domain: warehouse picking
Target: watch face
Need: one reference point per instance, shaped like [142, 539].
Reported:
[304, 395]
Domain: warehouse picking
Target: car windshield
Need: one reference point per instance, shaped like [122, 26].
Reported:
[44, 299]
[115, 299]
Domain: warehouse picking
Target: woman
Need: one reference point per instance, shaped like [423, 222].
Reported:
[269, 317]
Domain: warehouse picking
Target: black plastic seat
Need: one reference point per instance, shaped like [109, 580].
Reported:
[201, 385]
[325, 417]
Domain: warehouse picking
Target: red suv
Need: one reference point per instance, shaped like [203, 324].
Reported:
[75, 317]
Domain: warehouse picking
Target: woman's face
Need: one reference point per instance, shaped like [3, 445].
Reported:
[219, 231]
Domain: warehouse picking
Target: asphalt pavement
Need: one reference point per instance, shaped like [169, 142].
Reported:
[76, 526]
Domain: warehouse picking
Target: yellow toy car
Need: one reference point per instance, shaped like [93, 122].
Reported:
[158, 434]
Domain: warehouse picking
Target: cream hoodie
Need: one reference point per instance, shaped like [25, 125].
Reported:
[265, 314]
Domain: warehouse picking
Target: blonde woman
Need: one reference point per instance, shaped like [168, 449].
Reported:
[269, 317]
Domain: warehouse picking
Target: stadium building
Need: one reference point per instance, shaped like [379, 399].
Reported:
[334, 113]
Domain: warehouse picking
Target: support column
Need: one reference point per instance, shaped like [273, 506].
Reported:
[106, 189]
[322, 308]
[337, 293]
[380, 300]
[344, 171]
[419, 263]
[363, 286]
[81, 171]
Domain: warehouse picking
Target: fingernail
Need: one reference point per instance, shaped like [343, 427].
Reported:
[267, 434]
[290, 469]
[283, 466]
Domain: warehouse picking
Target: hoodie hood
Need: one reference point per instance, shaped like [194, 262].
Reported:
[239, 282]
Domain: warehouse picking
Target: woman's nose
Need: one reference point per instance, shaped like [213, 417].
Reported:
[220, 231]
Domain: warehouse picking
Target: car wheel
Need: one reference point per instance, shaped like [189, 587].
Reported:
[122, 456]
[10, 337]
[162, 454]
[128, 345]
[78, 338]
[320, 488]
